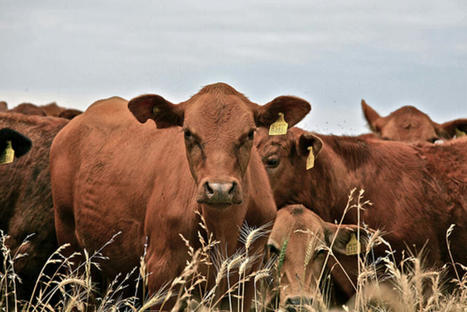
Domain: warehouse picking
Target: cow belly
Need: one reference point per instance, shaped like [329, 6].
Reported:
[102, 210]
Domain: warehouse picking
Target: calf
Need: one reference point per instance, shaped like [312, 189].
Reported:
[417, 191]
[301, 240]
[411, 125]
[112, 172]
[25, 196]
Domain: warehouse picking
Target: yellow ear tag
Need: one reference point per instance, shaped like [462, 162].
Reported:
[8, 155]
[353, 246]
[279, 127]
[460, 133]
[310, 160]
[155, 110]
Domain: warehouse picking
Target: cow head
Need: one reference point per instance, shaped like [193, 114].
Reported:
[411, 125]
[301, 240]
[219, 126]
[15, 141]
[284, 158]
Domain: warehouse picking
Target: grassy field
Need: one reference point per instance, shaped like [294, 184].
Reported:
[405, 286]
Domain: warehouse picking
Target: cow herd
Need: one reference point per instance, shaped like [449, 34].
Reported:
[110, 170]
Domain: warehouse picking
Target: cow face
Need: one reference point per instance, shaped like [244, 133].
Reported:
[15, 142]
[285, 157]
[411, 125]
[300, 240]
[218, 126]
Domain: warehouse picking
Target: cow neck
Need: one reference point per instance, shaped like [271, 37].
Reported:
[224, 224]
[330, 183]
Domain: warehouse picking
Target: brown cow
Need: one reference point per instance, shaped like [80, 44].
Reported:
[51, 109]
[411, 125]
[25, 196]
[304, 240]
[111, 173]
[417, 191]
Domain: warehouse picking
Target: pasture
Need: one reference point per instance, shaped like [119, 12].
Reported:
[413, 287]
[135, 176]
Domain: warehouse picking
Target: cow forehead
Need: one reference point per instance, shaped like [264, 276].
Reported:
[271, 144]
[293, 221]
[213, 113]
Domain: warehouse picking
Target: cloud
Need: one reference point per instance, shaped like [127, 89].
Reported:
[330, 52]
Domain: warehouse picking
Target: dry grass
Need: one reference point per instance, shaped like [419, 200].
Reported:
[406, 286]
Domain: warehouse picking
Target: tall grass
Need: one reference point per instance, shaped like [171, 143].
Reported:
[406, 286]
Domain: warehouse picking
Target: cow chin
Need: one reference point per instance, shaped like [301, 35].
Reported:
[219, 193]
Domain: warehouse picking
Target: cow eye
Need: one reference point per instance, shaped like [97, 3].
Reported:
[187, 134]
[433, 140]
[272, 162]
[319, 252]
[273, 250]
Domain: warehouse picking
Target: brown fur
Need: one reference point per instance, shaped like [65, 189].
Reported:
[3, 106]
[410, 125]
[417, 191]
[51, 109]
[111, 173]
[25, 196]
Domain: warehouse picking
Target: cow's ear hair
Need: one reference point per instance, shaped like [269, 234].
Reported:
[306, 140]
[293, 108]
[20, 143]
[338, 236]
[371, 116]
[155, 107]
[452, 128]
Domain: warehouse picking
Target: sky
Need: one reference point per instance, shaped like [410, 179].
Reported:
[332, 53]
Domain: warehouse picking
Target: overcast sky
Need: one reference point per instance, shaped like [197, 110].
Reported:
[331, 52]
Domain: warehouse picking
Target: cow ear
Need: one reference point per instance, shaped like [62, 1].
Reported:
[293, 108]
[371, 116]
[20, 143]
[3, 106]
[343, 238]
[453, 128]
[155, 107]
[307, 140]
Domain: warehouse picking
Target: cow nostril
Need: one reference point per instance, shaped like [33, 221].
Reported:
[291, 308]
[208, 188]
[232, 188]
[298, 301]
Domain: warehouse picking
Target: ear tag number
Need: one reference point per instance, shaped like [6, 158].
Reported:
[8, 155]
[353, 246]
[460, 133]
[310, 160]
[279, 127]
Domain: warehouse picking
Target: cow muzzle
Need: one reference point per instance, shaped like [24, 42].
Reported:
[219, 193]
[298, 304]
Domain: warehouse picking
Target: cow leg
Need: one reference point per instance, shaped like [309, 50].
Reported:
[162, 268]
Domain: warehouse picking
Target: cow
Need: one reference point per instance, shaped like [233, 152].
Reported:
[114, 172]
[51, 109]
[416, 191]
[25, 196]
[409, 124]
[302, 241]
[15, 141]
